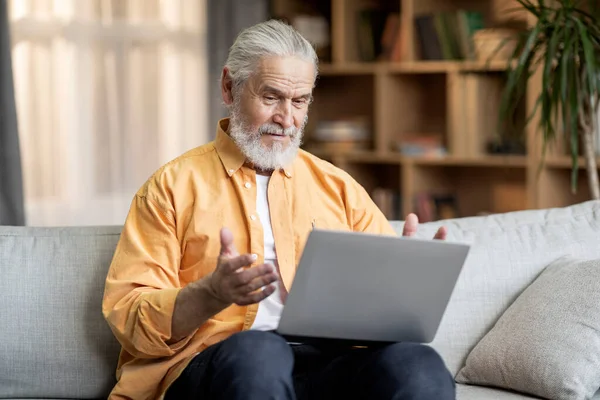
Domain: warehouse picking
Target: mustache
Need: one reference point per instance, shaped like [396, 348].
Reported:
[274, 129]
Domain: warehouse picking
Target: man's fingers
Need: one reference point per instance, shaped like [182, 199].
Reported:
[257, 283]
[227, 246]
[410, 225]
[441, 233]
[256, 297]
[232, 265]
[245, 277]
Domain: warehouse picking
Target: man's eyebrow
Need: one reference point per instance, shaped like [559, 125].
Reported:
[273, 90]
[307, 96]
[278, 92]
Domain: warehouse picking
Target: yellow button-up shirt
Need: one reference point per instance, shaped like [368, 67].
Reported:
[171, 238]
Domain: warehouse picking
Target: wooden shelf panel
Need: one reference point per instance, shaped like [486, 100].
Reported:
[435, 67]
[420, 67]
[415, 67]
[357, 68]
[491, 161]
[375, 157]
[565, 162]
[360, 156]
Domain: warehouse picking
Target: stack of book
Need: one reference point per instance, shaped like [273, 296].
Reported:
[341, 135]
[421, 145]
[448, 35]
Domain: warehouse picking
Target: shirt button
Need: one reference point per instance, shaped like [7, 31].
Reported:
[247, 185]
[253, 217]
[231, 171]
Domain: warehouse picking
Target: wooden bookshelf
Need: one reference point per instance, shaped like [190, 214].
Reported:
[401, 95]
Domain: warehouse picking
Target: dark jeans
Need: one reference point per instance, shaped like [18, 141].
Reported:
[262, 365]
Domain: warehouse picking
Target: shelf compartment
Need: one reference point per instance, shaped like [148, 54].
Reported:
[348, 26]
[382, 182]
[474, 100]
[476, 190]
[554, 186]
[341, 98]
[409, 105]
[494, 13]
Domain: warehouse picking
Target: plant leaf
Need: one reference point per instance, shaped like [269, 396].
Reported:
[573, 131]
[589, 60]
[519, 74]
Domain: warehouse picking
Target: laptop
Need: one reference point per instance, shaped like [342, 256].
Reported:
[361, 289]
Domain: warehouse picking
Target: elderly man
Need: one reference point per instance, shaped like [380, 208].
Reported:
[211, 243]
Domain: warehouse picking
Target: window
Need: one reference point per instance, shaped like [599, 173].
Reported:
[107, 91]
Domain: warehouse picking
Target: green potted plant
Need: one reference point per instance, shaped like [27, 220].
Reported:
[563, 45]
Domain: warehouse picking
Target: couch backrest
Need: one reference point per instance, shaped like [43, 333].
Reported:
[54, 342]
[508, 252]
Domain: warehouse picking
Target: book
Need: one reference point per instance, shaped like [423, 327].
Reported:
[431, 206]
[389, 201]
[371, 26]
[448, 35]
[431, 48]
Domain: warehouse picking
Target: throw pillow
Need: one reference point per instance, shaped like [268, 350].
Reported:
[547, 343]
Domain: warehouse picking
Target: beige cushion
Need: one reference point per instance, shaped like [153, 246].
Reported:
[547, 343]
[469, 392]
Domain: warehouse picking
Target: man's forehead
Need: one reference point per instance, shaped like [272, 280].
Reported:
[285, 73]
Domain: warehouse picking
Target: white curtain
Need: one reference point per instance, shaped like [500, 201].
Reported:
[107, 91]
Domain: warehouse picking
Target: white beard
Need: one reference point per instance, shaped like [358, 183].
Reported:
[248, 140]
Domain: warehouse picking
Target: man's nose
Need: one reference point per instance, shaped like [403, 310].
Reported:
[284, 116]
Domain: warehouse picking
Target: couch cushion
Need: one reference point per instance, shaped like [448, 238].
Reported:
[54, 342]
[548, 341]
[467, 392]
[508, 252]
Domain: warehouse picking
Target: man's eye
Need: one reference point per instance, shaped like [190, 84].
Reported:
[270, 98]
[300, 101]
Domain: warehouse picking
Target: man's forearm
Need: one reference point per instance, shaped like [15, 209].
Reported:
[194, 305]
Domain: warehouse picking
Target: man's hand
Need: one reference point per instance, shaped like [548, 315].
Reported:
[412, 222]
[231, 283]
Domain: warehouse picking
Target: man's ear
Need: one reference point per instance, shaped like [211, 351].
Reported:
[226, 87]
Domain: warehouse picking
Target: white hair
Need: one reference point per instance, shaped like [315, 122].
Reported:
[266, 39]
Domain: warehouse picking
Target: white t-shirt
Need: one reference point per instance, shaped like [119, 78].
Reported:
[269, 310]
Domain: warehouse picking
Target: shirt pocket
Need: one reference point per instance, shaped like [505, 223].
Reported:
[330, 222]
[322, 221]
[201, 245]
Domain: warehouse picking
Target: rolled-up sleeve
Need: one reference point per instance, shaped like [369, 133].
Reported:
[142, 283]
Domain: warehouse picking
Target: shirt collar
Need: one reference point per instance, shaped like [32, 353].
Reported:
[230, 155]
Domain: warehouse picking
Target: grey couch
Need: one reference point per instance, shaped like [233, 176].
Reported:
[54, 342]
